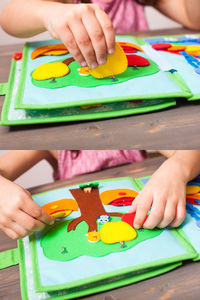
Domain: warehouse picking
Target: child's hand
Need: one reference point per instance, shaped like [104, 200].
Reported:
[85, 29]
[19, 214]
[165, 194]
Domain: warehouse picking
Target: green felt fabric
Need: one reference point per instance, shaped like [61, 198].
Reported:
[9, 258]
[76, 243]
[74, 79]
[3, 88]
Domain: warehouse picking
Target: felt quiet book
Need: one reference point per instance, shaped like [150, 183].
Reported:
[93, 247]
[47, 85]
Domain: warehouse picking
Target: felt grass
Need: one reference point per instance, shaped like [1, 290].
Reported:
[75, 79]
[76, 244]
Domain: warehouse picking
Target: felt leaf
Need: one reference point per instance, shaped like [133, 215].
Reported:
[137, 60]
[116, 64]
[193, 50]
[60, 208]
[50, 70]
[161, 46]
[111, 195]
[176, 48]
[129, 218]
[192, 189]
[129, 46]
[46, 48]
[114, 232]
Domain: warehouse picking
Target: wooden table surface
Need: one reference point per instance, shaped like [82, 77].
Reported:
[171, 128]
[181, 283]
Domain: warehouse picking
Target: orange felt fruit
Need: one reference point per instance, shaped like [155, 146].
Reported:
[46, 48]
[60, 208]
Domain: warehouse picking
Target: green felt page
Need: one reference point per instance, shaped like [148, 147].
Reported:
[64, 295]
[19, 104]
[119, 274]
[13, 116]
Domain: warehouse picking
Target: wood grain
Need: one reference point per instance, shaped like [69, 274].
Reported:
[171, 128]
[181, 283]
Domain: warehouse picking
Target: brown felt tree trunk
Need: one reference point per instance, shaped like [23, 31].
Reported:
[91, 208]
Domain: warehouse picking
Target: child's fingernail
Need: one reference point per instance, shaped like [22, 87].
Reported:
[102, 61]
[83, 64]
[136, 226]
[94, 65]
[111, 51]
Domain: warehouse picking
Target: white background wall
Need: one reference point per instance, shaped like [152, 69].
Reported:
[155, 20]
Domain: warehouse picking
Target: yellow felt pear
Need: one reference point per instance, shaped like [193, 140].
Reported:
[114, 232]
[116, 64]
[50, 70]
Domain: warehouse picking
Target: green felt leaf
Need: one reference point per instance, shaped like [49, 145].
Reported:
[76, 243]
[75, 79]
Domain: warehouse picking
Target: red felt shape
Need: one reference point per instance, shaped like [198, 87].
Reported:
[129, 49]
[129, 218]
[161, 46]
[122, 201]
[17, 55]
[137, 60]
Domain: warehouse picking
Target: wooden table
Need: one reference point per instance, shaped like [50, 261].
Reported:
[181, 283]
[171, 128]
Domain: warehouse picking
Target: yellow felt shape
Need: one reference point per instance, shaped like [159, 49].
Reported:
[56, 52]
[50, 70]
[114, 232]
[192, 189]
[116, 64]
[193, 50]
[111, 195]
[93, 236]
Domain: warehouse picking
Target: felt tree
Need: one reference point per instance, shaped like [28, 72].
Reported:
[91, 207]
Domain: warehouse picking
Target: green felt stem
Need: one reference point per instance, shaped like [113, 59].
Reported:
[9, 258]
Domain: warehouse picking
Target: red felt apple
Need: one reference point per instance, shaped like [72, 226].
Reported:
[161, 46]
[129, 218]
[137, 60]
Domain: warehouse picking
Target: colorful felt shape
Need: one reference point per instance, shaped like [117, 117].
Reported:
[48, 48]
[161, 46]
[84, 71]
[130, 217]
[118, 196]
[17, 55]
[130, 46]
[50, 70]
[116, 64]
[90, 206]
[193, 50]
[114, 232]
[176, 48]
[93, 237]
[192, 189]
[60, 208]
[137, 60]
[103, 219]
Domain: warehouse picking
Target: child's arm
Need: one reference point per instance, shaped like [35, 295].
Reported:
[165, 192]
[85, 29]
[19, 214]
[185, 12]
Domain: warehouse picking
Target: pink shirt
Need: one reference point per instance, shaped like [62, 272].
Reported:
[76, 162]
[126, 15]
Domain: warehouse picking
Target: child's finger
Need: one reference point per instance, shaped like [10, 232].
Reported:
[84, 42]
[97, 37]
[169, 214]
[35, 211]
[18, 229]
[156, 214]
[12, 234]
[27, 222]
[180, 215]
[69, 41]
[107, 28]
[134, 205]
[141, 212]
